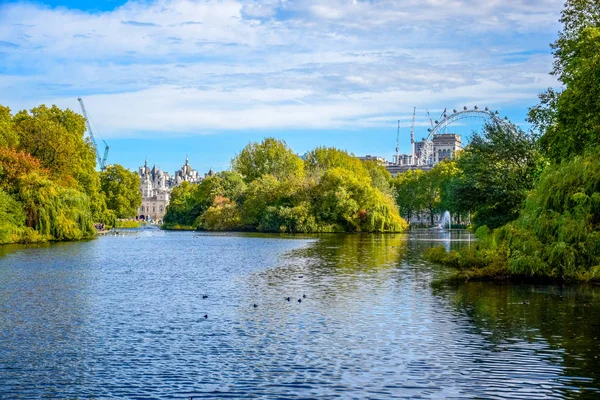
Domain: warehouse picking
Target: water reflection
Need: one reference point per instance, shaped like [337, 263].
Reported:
[564, 321]
[123, 317]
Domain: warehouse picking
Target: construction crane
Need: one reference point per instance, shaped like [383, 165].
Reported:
[412, 136]
[398, 144]
[430, 119]
[101, 160]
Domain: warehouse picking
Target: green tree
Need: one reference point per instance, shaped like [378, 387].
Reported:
[380, 177]
[431, 184]
[408, 194]
[8, 136]
[121, 189]
[321, 159]
[223, 215]
[232, 184]
[270, 157]
[56, 138]
[570, 120]
[497, 170]
[349, 203]
[180, 207]
[261, 193]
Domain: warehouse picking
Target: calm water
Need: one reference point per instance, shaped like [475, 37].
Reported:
[123, 317]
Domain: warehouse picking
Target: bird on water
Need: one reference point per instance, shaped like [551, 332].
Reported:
[205, 296]
[205, 316]
[255, 306]
[299, 300]
[287, 298]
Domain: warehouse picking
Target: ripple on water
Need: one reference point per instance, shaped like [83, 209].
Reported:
[124, 317]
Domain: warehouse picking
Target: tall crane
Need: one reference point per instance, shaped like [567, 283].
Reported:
[398, 144]
[430, 120]
[101, 160]
[412, 136]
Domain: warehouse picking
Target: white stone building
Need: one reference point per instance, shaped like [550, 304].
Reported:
[156, 187]
[445, 145]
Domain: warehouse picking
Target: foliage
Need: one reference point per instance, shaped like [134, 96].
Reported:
[380, 177]
[127, 223]
[55, 138]
[332, 192]
[180, 207]
[570, 120]
[223, 215]
[54, 211]
[8, 136]
[321, 159]
[557, 234]
[121, 190]
[14, 164]
[408, 193]
[425, 191]
[49, 188]
[12, 221]
[497, 170]
[271, 157]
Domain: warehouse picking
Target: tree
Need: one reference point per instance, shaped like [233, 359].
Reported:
[425, 191]
[56, 138]
[349, 203]
[179, 208]
[497, 170]
[408, 194]
[121, 189]
[431, 185]
[570, 120]
[13, 165]
[271, 157]
[232, 184]
[380, 177]
[321, 159]
[8, 136]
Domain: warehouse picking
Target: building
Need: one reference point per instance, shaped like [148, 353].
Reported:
[156, 187]
[443, 146]
[377, 159]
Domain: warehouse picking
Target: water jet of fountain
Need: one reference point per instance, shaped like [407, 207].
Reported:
[446, 220]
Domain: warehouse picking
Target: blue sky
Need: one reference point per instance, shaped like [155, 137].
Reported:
[167, 78]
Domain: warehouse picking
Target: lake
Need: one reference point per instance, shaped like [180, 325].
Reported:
[124, 317]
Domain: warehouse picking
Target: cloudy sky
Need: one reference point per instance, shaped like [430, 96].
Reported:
[167, 78]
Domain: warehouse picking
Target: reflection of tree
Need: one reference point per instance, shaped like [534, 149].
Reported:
[333, 270]
[347, 253]
[567, 318]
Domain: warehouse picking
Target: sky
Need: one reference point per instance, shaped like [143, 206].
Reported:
[167, 79]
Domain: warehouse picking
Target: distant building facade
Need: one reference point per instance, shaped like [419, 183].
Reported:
[444, 145]
[156, 187]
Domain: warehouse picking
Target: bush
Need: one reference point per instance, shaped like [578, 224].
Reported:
[557, 234]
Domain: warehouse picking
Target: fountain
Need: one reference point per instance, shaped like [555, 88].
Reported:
[446, 220]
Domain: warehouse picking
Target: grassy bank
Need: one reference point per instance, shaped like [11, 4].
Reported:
[128, 223]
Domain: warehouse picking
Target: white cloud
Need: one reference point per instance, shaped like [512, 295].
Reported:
[192, 67]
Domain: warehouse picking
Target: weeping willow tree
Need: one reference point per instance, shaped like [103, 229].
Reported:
[54, 211]
[49, 188]
[557, 232]
[12, 222]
